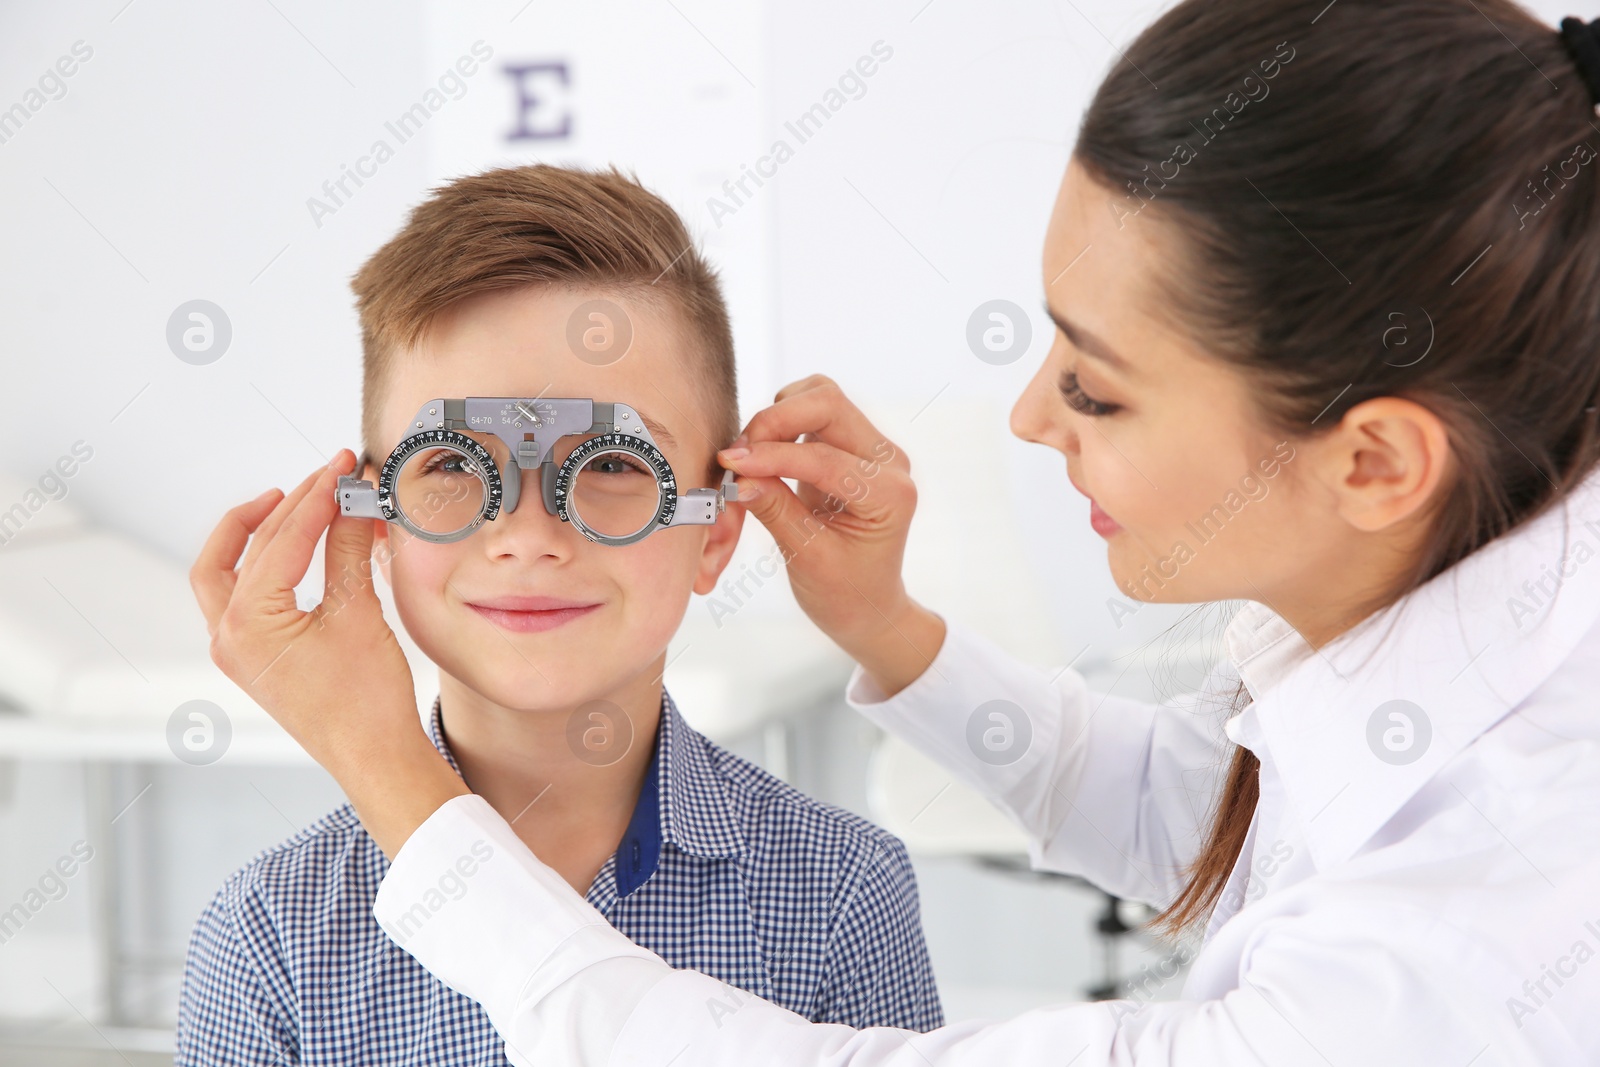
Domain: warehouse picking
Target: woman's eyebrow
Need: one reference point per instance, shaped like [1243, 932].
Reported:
[1086, 342]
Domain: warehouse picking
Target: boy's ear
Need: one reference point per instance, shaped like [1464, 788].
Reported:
[722, 537]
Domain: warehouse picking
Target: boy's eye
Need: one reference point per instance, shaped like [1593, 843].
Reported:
[615, 463]
[447, 461]
[1080, 401]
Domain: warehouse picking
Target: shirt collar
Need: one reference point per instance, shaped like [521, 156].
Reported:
[696, 813]
[694, 810]
[1463, 650]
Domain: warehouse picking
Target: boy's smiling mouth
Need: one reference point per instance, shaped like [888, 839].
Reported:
[530, 614]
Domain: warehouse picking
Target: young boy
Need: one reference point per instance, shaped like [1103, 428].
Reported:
[550, 651]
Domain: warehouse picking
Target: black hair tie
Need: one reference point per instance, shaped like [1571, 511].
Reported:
[1583, 41]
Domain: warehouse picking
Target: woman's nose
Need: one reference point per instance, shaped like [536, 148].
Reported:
[1029, 415]
[1023, 417]
[1037, 417]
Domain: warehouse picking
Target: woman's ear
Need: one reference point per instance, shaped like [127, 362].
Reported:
[1385, 461]
[722, 537]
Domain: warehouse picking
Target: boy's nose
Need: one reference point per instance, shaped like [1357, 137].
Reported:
[524, 527]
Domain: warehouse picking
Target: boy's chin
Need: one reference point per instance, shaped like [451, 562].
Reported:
[559, 692]
[557, 677]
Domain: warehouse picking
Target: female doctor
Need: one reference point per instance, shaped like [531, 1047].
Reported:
[1327, 294]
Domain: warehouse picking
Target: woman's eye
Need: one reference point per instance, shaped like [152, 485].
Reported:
[1081, 401]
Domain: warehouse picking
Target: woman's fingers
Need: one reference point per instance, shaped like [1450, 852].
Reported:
[246, 529]
[801, 385]
[864, 486]
[269, 525]
[814, 405]
[286, 558]
[775, 506]
[212, 577]
[817, 409]
[347, 561]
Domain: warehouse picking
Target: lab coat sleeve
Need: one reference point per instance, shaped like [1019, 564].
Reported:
[1110, 788]
[1350, 982]
[464, 883]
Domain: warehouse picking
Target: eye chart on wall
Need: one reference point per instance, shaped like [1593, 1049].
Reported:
[672, 92]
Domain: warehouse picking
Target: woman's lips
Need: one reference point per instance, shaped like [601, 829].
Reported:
[530, 614]
[1103, 524]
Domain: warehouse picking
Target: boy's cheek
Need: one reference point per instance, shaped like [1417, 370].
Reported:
[655, 584]
[419, 570]
[423, 620]
[422, 597]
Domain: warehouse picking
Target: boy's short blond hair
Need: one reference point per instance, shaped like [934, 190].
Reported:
[540, 225]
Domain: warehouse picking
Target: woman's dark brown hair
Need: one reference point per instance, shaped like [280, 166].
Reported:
[1386, 198]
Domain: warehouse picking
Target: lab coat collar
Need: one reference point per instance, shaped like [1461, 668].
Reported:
[1465, 649]
[694, 809]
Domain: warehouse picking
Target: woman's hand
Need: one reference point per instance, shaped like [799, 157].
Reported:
[843, 535]
[334, 677]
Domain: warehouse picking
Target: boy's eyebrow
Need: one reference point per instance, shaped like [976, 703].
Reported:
[658, 431]
[1086, 342]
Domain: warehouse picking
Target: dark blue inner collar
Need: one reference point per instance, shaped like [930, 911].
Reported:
[640, 848]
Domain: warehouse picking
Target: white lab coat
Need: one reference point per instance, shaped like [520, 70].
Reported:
[1416, 890]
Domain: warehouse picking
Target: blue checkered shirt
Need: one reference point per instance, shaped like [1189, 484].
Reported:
[724, 869]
